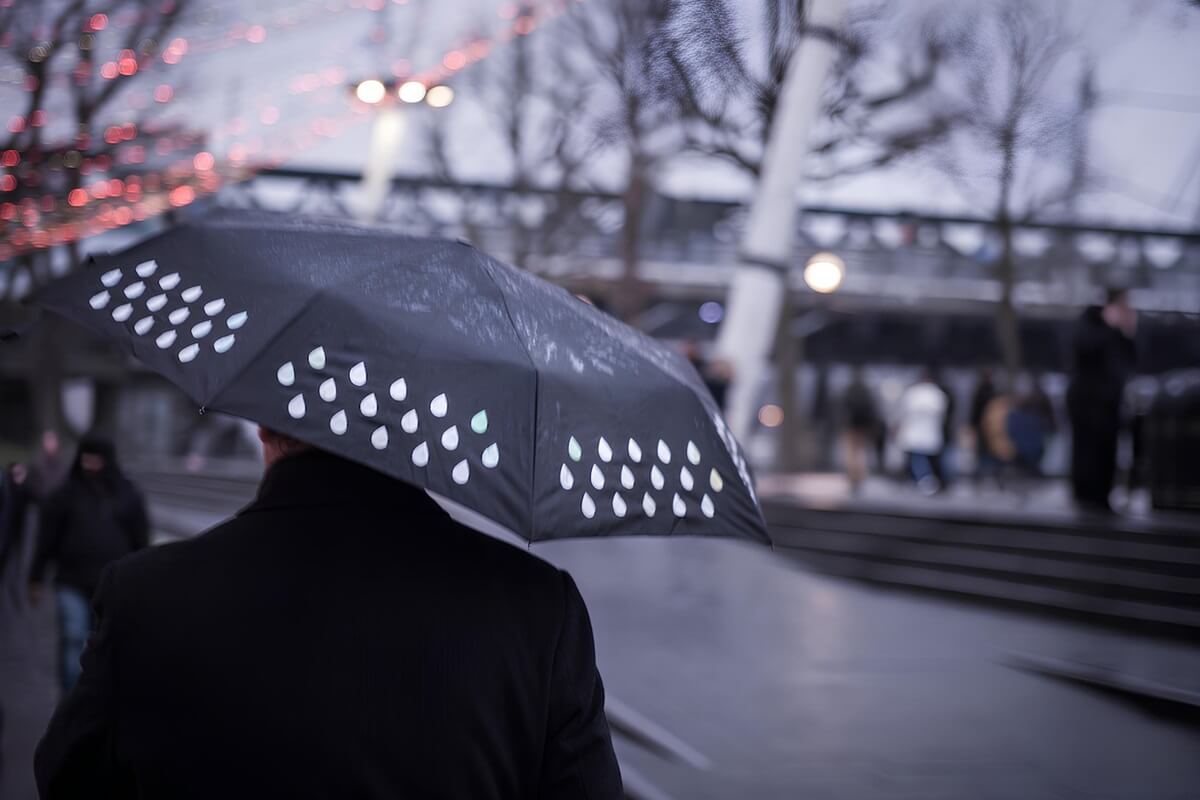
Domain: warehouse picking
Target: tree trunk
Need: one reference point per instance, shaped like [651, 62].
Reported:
[789, 353]
[1008, 328]
[631, 295]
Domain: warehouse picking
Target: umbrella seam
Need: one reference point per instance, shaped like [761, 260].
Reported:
[536, 383]
[265, 347]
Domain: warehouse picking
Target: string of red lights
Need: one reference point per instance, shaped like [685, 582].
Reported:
[112, 202]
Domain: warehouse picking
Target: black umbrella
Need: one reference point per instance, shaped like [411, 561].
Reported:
[432, 362]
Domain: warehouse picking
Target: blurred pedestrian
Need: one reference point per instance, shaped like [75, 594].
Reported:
[1103, 358]
[986, 462]
[943, 466]
[860, 420]
[1029, 426]
[14, 511]
[48, 467]
[341, 637]
[920, 421]
[94, 518]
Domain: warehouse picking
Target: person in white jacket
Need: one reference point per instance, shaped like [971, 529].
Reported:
[919, 429]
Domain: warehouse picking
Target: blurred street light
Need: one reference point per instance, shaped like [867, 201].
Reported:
[440, 96]
[411, 92]
[824, 273]
[370, 91]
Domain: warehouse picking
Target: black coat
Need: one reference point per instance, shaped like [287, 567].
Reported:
[87, 523]
[341, 637]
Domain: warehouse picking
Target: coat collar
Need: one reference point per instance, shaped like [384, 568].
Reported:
[316, 478]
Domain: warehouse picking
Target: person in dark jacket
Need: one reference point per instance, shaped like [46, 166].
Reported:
[860, 420]
[1103, 359]
[95, 517]
[341, 636]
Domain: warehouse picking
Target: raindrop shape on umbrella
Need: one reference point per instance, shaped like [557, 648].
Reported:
[202, 329]
[157, 302]
[574, 450]
[439, 406]
[135, 290]
[656, 477]
[214, 307]
[179, 315]
[190, 352]
[604, 450]
[618, 505]
[143, 326]
[716, 481]
[409, 421]
[286, 375]
[169, 282]
[597, 478]
[450, 438]
[648, 504]
[237, 320]
[328, 390]
[626, 477]
[337, 423]
[491, 455]
[369, 405]
[420, 454]
[693, 453]
[146, 268]
[565, 478]
[461, 472]
[588, 506]
[223, 344]
[358, 374]
[165, 340]
[399, 391]
[122, 312]
[379, 438]
[685, 479]
[677, 506]
[99, 300]
[706, 507]
[316, 358]
[635, 452]
[111, 278]
[664, 452]
[479, 422]
[296, 407]
[191, 294]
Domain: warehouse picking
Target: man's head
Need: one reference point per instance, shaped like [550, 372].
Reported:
[278, 445]
[1117, 297]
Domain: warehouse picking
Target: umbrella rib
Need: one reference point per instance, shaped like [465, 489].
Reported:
[485, 266]
[267, 344]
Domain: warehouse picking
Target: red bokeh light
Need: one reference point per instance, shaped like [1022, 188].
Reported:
[182, 195]
[109, 70]
[38, 118]
[16, 124]
[455, 60]
[8, 183]
[98, 22]
[100, 190]
[127, 66]
[123, 216]
[77, 198]
[203, 161]
[10, 158]
[163, 93]
[115, 187]
[256, 34]
[8, 211]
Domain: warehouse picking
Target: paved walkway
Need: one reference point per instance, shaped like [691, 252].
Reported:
[796, 685]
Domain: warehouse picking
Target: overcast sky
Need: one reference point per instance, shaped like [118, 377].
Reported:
[1146, 136]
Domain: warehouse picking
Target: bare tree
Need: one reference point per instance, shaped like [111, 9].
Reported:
[1020, 94]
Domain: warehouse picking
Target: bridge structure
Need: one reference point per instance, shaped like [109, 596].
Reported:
[913, 281]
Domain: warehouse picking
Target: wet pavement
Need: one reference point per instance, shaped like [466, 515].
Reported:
[798, 685]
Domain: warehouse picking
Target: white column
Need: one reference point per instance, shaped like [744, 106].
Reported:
[756, 294]
[387, 134]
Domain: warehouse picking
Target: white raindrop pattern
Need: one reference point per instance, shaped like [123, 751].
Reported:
[645, 481]
[463, 434]
[144, 285]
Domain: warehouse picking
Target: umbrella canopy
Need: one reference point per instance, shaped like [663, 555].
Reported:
[432, 362]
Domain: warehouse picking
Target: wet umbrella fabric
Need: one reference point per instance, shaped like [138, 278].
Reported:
[432, 362]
